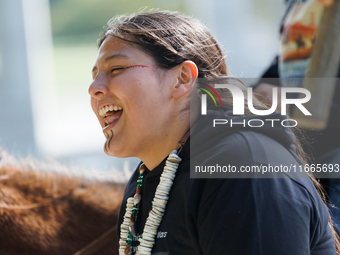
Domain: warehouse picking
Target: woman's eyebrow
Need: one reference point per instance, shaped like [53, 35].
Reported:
[107, 59]
[118, 55]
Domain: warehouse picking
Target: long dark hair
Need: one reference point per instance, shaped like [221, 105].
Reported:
[171, 38]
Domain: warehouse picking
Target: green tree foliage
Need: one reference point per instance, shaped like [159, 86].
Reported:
[81, 21]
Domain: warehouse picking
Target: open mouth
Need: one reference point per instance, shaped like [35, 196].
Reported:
[110, 113]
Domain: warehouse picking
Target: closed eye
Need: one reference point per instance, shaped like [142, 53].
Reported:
[122, 68]
[116, 69]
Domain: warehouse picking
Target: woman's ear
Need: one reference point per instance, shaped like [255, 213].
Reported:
[187, 74]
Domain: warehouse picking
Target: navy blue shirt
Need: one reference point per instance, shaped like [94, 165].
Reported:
[281, 216]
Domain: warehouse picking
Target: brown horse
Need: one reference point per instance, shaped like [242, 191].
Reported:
[43, 211]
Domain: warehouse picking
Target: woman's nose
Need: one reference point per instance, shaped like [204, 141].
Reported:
[98, 88]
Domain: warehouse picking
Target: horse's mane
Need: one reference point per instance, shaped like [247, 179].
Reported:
[48, 208]
[49, 166]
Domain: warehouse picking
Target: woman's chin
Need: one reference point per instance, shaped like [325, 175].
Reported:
[118, 153]
[111, 153]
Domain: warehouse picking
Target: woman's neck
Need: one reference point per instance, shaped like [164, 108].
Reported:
[165, 143]
[160, 150]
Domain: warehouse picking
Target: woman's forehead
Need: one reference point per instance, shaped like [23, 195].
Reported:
[114, 48]
[113, 45]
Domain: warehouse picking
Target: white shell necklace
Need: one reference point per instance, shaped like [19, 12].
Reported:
[128, 227]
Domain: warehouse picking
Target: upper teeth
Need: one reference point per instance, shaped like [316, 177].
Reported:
[103, 111]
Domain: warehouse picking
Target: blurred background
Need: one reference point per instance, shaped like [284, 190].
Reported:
[48, 49]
